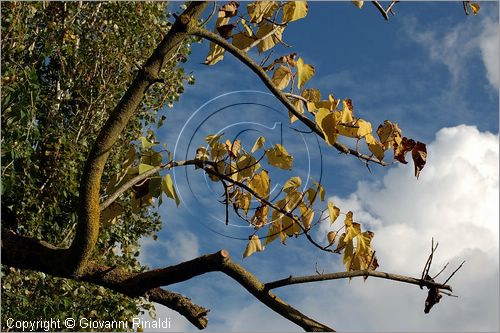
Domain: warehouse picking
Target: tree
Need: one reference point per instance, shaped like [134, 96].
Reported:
[63, 81]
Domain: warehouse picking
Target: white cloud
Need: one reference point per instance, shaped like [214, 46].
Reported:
[178, 247]
[488, 42]
[460, 44]
[456, 202]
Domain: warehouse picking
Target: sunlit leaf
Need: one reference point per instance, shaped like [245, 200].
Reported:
[294, 10]
[281, 77]
[260, 218]
[358, 4]
[307, 216]
[292, 184]
[110, 215]
[304, 72]
[277, 156]
[327, 121]
[168, 188]
[229, 9]
[270, 41]
[474, 6]
[375, 146]
[312, 95]
[257, 10]
[144, 167]
[333, 211]
[259, 143]
[253, 246]
[145, 143]
[331, 237]
[260, 184]
[320, 188]
[358, 129]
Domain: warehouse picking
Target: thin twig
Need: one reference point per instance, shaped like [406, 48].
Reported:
[456, 270]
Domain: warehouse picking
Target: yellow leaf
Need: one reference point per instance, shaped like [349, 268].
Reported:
[307, 215]
[247, 165]
[242, 40]
[293, 200]
[374, 146]
[274, 232]
[304, 72]
[341, 243]
[247, 28]
[242, 201]
[352, 231]
[358, 4]
[110, 215]
[216, 52]
[311, 195]
[348, 219]
[347, 112]
[260, 184]
[202, 154]
[331, 237]
[389, 134]
[474, 6]
[168, 187]
[253, 246]
[281, 77]
[320, 188]
[260, 9]
[259, 143]
[212, 139]
[358, 129]
[297, 103]
[269, 42]
[294, 10]
[229, 9]
[312, 95]
[277, 156]
[363, 241]
[327, 121]
[348, 254]
[289, 226]
[292, 184]
[333, 211]
[260, 217]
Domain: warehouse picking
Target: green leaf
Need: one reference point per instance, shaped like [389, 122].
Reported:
[144, 167]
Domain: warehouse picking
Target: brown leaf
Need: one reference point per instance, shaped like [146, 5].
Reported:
[225, 30]
[419, 155]
[401, 149]
[230, 9]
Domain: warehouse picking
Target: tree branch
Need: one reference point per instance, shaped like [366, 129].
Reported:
[89, 210]
[365, 273]
[243, 57]
[380, 9]
[140, 283]
[28, 253]
[137, 179]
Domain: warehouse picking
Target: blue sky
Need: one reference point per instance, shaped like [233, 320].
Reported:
[431, 69]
